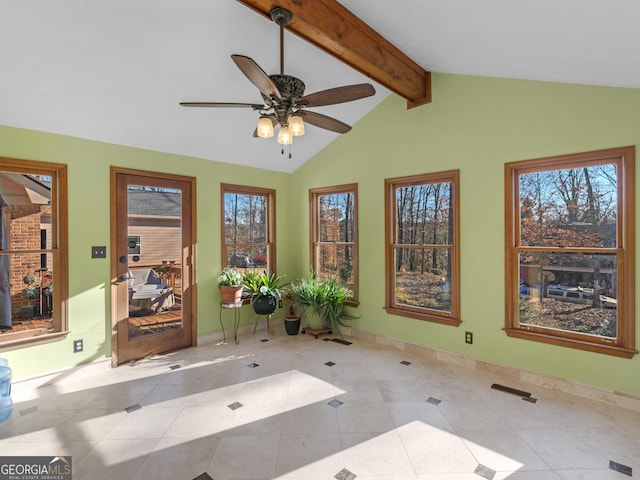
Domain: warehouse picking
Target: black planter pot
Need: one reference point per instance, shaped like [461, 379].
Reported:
[292, 325]
[265, 304]
[28, 312]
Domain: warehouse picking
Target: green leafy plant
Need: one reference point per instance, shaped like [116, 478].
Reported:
[230, 277]
[30, 292]
[262, 283]
[325, 297]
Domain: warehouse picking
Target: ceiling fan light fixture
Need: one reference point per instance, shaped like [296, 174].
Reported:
[284, 101]
[296, 125]
[265, 127]
[284, 135]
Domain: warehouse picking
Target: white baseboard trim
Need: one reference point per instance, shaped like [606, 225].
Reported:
[590, 392]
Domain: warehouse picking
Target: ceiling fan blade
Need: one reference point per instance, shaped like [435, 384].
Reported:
[323, 121]
[337, 95]
[257, 76]
[222, 105]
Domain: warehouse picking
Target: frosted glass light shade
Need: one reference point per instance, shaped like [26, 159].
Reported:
[284, 135]
[265, 127]
[296, 125]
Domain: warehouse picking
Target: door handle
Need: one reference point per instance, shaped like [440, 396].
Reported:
[123, 278]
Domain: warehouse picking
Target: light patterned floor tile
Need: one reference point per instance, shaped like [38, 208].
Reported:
[380, 427]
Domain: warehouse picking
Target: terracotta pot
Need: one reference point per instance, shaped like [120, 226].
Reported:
[230, 294]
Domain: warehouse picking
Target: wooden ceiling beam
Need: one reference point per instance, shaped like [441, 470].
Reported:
[331, 27]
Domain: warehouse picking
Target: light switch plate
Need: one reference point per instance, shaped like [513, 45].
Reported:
[99, 252]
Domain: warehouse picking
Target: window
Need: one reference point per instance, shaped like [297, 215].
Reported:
[422, 257]
[33, 252]
[133, 244]
[334, 224]
[248, 227]
[570, 251]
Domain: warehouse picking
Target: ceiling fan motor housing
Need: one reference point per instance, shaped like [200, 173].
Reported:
[291, 88]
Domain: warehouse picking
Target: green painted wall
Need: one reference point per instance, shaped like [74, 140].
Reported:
[89, 217]
[475, 124]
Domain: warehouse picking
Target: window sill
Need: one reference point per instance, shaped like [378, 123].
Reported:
[614, 350]
[427, 317]
[28, 338]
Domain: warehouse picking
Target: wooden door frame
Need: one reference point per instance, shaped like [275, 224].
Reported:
[114, 172]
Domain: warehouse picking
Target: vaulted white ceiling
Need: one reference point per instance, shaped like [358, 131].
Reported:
[115, 70]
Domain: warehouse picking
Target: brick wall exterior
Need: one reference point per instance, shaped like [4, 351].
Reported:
[24, 234]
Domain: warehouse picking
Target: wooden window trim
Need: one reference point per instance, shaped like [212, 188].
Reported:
[624, 345]
[451, 318]
[60, 241]
[314, 194]
[271, 218]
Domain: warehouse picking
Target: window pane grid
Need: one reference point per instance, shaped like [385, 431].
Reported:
[423, 214]
[247, 227]
[336, 217]
[238, 246]
[334, 235]
[569, 207]
[566, 274]
[423, 279]
[568, 249]
[422, 245]
[336, 243]
[422, 236]
[34, 283]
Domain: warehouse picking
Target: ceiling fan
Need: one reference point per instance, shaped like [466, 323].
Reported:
[285, 105]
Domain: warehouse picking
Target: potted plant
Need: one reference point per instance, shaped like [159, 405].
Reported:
[265, 290]
[29, 294]
[292, 319]
[322, 301]
[231, 286]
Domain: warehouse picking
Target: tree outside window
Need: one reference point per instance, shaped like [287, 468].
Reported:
[334, 247]
[570, 250]
[422, 261]
[248, 233]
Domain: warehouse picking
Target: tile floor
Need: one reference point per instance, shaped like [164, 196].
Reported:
[296, 407]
